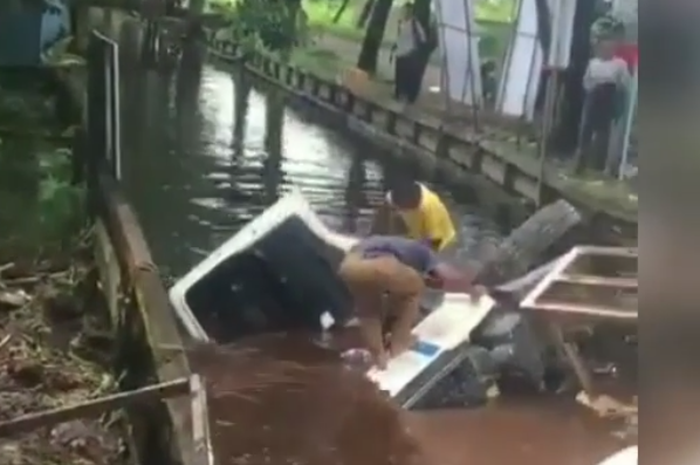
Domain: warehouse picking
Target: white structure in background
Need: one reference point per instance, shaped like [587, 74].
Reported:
[522, 68]
[459, 49]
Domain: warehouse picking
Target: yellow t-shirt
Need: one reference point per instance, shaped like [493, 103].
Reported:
[430, 221]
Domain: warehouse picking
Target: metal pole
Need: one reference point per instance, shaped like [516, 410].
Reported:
[550, 98]
[549, 103]
[472, 83]
[445, 74]
[632, 107]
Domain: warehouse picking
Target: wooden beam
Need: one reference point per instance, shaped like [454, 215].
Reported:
[93, 408]
[202, 450]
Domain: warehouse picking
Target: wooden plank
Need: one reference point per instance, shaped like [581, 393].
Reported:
[153, 304]
[109, 271]
[203, 453]
[93, 408]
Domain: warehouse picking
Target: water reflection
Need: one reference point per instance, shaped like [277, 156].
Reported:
[274, 128]
[201, 162]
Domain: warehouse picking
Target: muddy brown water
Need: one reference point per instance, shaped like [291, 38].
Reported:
[285, 399]
[203, 154]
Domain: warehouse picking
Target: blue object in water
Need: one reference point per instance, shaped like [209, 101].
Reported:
[55, 23]
[25, 34]
[425, 348]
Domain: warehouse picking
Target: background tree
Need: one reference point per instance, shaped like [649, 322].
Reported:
[341, 10]
[270, 23]
[364, 14]
[369, 53]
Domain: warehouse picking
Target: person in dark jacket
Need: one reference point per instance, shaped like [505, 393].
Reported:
[409, 45]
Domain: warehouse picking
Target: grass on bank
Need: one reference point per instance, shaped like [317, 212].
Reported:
[41, 210]
[494, 18]
[490, 14]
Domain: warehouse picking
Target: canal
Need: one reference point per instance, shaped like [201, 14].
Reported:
[206, 150]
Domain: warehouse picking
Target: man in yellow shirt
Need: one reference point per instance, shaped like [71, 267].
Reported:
[423, 214]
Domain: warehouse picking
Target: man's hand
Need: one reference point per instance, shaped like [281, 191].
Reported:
[381, 358]
[399, 345]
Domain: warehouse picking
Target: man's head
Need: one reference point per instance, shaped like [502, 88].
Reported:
[406, 194]
[606, 48]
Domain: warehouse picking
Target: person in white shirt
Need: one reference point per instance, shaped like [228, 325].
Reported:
[605, 82]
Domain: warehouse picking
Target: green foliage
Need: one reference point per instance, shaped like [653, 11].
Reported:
[279, 25]
[497, 11]
[60, 203]
[41, 210]
[271, 24]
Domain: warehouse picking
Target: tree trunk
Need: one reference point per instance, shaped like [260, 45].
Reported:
[568, 122]
[371, 45]
[365, 14]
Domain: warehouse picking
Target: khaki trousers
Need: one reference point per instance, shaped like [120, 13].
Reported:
[382, 287]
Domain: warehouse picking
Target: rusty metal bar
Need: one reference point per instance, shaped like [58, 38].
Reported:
[530, 300]
[536, 299]
[597, 281]
[586, 310]
[571, 353]
[630, 252]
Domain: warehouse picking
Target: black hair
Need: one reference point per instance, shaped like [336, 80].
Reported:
[405, 193]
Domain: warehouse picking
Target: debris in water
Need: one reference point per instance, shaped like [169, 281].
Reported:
[357, 359]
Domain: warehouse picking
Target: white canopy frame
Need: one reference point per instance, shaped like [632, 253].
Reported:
[461, 72]
[522, 68]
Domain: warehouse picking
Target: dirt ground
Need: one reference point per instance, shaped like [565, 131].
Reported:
[51, 349]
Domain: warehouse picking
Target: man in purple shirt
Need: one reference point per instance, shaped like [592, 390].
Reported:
[386, 276]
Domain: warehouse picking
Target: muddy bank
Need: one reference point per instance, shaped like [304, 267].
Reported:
[52, 351]
[285, 399]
